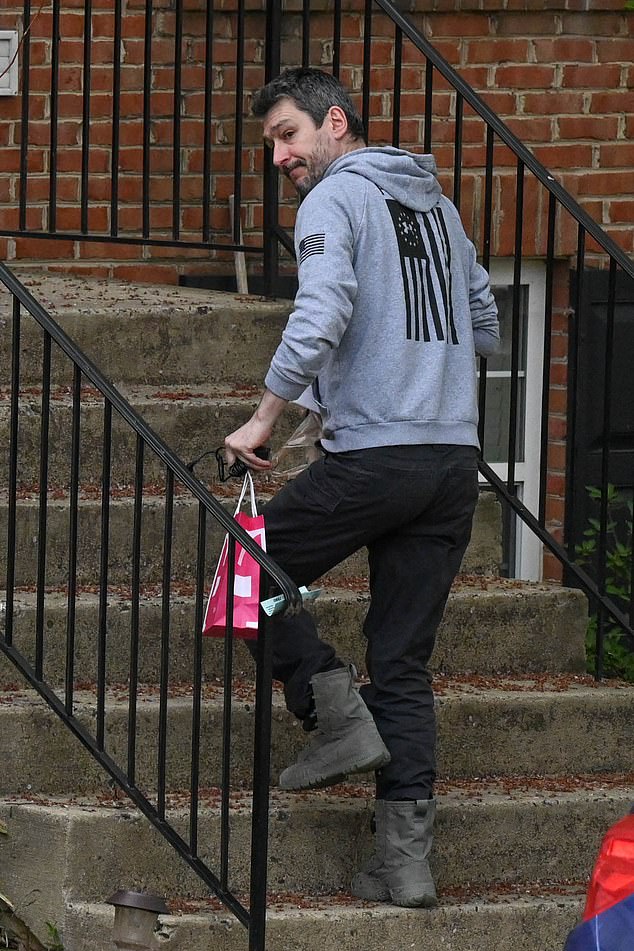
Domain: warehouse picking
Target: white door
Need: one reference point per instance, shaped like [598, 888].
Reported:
[526, 556]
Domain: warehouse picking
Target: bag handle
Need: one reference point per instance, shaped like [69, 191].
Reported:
[247, 484]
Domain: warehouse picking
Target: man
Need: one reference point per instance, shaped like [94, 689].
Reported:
[390, 311]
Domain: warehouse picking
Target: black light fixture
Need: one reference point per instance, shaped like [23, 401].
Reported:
[135, 918]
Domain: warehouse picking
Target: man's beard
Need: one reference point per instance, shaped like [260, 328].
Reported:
[315, 170]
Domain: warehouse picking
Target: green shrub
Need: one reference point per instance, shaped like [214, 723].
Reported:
[618, 657]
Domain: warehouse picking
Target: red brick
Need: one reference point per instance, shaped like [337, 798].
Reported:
[43, 249]
[39, 52]
[558, 401]
[527, 76]
[161, 218]
[163, 251]
[590, 24]
[130, 134]
[617, 50]
[564, 155]
[495, 51]
[462, 24]
[70, 160]
[146, 273]
[71, 24]
[100, 79]
[612, 101]
[617, 155]
[530, 128]
[621, 210]
[525, 24]
[556, 428]
[132, 25]
[476, 76]
[69, 219]
[557, 455]
[84, 270]
[551, 102]
[595, 76]
[607, 183]
[501, 102]
[594, 207]
[564, 49]
[134, 51]
[38, 189]
[623, 235]
[131, 105]
[9, 219]
[558, 374]
[588, 127]
[109, 251]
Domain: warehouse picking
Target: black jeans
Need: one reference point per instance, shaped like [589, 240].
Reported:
[412, 506]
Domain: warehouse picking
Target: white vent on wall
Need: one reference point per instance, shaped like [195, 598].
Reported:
[8, 63]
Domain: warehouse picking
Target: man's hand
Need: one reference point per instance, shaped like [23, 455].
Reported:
[244, 441]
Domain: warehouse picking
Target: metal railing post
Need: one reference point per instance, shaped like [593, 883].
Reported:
[271, 258]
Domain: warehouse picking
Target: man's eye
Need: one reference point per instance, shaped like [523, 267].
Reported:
[289, 133]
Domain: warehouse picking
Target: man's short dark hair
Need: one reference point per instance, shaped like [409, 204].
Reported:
[314, 92]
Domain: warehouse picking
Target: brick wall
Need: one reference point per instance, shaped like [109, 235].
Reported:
[562, 78]
[559, 72]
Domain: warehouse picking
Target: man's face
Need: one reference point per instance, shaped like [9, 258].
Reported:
[301, 151]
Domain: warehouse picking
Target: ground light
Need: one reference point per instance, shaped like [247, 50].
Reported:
[135, 919]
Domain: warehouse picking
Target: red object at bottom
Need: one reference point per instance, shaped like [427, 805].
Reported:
[613, 875]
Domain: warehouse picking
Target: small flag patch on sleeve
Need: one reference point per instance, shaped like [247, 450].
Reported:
[311, 244]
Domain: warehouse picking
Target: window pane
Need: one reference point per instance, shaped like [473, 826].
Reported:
[496, 430]
[498, 390]
[504, 299]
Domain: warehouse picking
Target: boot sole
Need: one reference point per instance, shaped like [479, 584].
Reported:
[417, 901]
[322, 780]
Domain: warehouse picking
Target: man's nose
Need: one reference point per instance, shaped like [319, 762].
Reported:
[281, 154]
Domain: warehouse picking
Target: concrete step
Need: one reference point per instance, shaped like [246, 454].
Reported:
[490, 626]
[482, 556]
[504, 922]
[189, 335]
[485, 836]
[541, 726]
[191, 422]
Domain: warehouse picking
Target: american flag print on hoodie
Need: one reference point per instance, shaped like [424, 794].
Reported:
[423, 246]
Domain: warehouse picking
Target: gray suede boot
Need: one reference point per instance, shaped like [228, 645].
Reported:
[346, 740]
[399, 869]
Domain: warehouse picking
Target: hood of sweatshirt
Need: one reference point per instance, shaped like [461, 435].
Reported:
[405, 176]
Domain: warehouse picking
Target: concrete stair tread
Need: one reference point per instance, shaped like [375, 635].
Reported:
[189, 335]
[557, 746]
[141, 394]
[549, 725]
[513, 921]
[332, 588]
[533, 688]
[490, 625]
[104, 298]
[496, 837]
[477, 793]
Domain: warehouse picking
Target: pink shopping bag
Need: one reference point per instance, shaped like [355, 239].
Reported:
[246, 589]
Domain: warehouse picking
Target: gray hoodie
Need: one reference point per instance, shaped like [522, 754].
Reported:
[391, 307]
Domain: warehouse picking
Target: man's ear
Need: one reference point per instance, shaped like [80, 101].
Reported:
[338, 121]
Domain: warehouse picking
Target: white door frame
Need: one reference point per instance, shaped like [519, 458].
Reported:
[529, 550]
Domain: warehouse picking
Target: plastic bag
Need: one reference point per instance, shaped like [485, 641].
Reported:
[300, 449]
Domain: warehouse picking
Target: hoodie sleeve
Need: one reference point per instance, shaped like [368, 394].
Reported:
[484, 311]
[324, 245]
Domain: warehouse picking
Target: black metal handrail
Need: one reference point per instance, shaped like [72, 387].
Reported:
[497, 125]
[64, 703]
